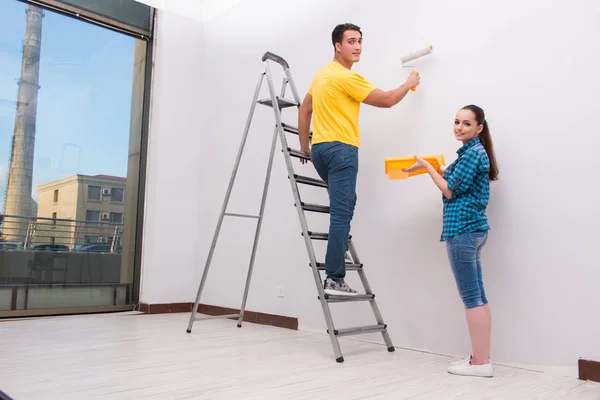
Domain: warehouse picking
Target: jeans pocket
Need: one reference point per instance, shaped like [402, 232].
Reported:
[453, 241]
[477, 238]
[337, 158]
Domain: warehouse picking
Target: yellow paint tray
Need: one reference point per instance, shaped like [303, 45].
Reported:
[394, 166]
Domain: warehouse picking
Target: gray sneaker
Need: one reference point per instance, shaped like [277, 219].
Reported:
[338, 288]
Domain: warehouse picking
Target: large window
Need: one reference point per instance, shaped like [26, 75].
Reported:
[71, 118]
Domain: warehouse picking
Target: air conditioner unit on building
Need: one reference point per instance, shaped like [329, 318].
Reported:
[106, 191]
[106, 216]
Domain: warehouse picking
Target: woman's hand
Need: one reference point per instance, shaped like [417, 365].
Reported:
[438, 179]
[419, 163]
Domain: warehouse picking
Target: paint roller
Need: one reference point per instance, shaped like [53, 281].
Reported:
[413, 56]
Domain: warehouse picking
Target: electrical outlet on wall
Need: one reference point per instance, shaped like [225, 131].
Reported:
[280, 291]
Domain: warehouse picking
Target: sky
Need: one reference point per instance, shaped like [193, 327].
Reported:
[84, 104]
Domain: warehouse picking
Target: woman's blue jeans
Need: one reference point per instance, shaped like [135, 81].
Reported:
[464, 253]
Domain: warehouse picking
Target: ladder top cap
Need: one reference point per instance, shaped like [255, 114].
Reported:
[274, 57]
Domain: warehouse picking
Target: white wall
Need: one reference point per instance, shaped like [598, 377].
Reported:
[173, 188]
[530, 65]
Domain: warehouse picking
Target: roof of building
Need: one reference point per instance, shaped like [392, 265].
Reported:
[72, 178]
[117, 178]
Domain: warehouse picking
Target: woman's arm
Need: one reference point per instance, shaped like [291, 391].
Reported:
[459, 181]
[439, 180]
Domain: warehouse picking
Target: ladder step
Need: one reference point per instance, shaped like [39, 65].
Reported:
[320, 236]
[349, 266]
[314, 208]
[282, 103]
[340, 298]
[359, 330]
[292, 129]
[241, 215]
[309, 181]
[298, 154]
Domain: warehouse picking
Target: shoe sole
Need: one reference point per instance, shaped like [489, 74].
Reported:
[474, 375]
[339, 293]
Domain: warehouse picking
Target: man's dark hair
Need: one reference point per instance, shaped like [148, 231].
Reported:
[338, 32]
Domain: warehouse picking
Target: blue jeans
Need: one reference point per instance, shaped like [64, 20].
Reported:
[464, 253]
[337, 164]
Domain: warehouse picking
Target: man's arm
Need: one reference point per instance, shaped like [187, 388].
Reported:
[387, 99]
[304, 117]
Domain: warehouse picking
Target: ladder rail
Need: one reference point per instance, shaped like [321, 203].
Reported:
[297, 98]
[290, 168]
[367, 286]
[291, 173]
[301, 216]
[225, 202]
[262, 203]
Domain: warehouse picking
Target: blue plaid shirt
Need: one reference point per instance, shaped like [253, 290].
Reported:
[469, 182]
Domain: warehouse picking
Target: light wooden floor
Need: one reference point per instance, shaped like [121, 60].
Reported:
[132, 356]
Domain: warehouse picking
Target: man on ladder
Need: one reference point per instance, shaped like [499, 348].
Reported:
[334, 98]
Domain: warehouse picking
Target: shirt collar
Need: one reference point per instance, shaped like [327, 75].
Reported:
[467, 146]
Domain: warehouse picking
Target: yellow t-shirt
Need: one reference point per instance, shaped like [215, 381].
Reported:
[336, 96]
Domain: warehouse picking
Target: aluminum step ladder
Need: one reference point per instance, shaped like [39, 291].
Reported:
[353, 264]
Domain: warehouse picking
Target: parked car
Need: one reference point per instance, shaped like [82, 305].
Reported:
[99, 248]
[11, 246]
[50, 247]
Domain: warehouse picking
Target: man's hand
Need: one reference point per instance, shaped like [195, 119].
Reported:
[387, 99]
[413, 80]
[307, 152]
[304, 117]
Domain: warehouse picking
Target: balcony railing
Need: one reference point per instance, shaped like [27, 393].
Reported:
[57, 234]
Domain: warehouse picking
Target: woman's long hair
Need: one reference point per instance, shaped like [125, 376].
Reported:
[486, 139]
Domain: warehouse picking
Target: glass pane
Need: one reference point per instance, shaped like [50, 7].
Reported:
[129, 12]
[70, 125]
[94, 192]
[116, 217]
[116, 194]
[91, 215]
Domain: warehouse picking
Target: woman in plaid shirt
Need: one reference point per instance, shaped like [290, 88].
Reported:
[465, 185]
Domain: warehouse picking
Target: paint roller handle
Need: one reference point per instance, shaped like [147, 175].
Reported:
[413, 80]
[274, 57]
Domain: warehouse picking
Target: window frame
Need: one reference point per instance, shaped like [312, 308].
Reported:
[94, 18]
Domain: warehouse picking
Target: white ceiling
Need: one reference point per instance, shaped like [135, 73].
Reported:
[200, 10]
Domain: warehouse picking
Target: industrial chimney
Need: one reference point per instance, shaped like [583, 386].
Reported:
[18, 201]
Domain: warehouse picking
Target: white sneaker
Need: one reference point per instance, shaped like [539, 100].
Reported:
[462, 361]
[338, 288]
[467, 369]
